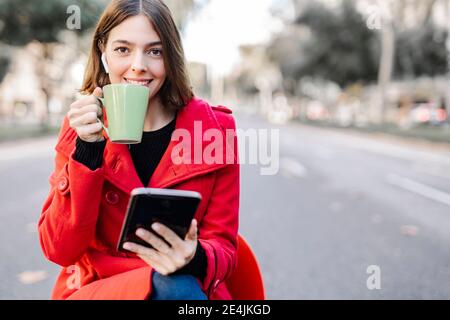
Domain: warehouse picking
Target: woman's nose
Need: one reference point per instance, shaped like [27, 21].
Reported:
[138, 64]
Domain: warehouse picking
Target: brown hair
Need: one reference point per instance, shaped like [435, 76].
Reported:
[176, 91]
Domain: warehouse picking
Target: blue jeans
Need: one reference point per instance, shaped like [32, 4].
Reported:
[176, 287]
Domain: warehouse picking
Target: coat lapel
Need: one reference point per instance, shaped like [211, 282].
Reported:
[120, 169]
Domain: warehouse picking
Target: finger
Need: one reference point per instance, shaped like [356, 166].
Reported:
[92, 108]
[90, 99]
[156, 242]
[90, 129]
[85, 119]
[167, 262]
[138, 249]
[81, 102]
[171, 237]
[192, 233]
[174, 258]
[154, 264]
[74, 113]
[153, 256]
[98, 93]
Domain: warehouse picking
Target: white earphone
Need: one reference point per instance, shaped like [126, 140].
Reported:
[105, 64]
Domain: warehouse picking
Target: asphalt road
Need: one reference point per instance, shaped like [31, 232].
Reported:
[339, 203]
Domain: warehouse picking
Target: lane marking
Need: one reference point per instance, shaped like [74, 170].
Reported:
[435, 171]
[32, 276]
[294, 168]
[419, 188]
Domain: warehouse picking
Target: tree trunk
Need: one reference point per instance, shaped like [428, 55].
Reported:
[41, 71]
[447, 92]
[386, 65]
[429, 5]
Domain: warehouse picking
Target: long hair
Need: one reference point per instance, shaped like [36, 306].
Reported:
[176, 91]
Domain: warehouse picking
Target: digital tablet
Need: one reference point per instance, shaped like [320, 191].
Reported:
[173, 208]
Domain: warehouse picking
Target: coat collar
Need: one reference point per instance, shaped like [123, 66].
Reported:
[119, 167]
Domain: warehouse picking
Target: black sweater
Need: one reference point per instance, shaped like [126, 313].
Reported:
[146, 157]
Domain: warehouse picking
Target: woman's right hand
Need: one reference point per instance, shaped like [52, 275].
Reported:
[83, 115]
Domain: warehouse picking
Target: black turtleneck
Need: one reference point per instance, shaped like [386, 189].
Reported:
[147, 154]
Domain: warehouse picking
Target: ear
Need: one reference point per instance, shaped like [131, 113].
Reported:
[105, 63]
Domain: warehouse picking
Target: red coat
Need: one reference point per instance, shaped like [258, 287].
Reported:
[83, 214]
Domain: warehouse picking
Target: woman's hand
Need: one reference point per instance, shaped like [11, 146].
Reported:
[83, 115]
[163, 258]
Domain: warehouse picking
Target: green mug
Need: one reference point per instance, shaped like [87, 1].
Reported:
[126, 107]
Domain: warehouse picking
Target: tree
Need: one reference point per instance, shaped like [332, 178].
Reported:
[4, 66]
[406, 51]
[25, 21]
[340, 47]
[431, 60]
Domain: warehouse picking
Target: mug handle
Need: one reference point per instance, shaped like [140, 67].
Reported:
[102, 103]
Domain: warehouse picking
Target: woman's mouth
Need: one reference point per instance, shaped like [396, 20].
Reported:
[139, 82]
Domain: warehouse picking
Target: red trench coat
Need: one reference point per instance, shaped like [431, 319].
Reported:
[83, 214]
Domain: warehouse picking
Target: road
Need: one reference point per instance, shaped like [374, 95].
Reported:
[340, 203]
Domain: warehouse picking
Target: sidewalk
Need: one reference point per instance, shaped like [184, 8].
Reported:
[437, 138]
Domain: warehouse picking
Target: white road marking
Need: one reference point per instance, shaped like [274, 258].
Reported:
[32, 277]
[293, 168]
[433, 170]
[419, 188]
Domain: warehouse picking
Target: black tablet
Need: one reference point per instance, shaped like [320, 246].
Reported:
[173, 208]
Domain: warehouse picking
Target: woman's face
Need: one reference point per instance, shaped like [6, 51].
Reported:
[134, 54]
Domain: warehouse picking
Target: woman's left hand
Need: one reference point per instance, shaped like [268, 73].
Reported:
[163, 258]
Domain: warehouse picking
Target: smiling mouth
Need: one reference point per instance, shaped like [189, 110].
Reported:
[139, 82]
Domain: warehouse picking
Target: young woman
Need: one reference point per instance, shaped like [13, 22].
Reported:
[136, 41]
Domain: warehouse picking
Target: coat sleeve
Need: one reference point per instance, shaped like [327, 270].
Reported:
[68, 220]
[219, 226]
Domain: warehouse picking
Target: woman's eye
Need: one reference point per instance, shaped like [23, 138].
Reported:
[155, 52]
[121, 50]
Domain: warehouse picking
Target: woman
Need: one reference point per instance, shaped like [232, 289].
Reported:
[136, 41]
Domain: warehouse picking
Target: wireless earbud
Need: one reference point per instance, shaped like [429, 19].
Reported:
[105, 64]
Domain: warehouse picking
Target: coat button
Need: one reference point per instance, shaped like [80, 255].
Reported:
[112, 197]
[63, 184]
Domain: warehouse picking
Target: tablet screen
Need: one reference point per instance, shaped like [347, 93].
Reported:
[175, 211]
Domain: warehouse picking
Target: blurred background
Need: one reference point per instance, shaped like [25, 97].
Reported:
[358, 90]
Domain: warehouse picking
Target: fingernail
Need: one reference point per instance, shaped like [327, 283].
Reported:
[127, 246]
[140, 232]
[155, 226]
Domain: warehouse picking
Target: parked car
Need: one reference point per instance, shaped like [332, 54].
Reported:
[428, 113]
[316, 111]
